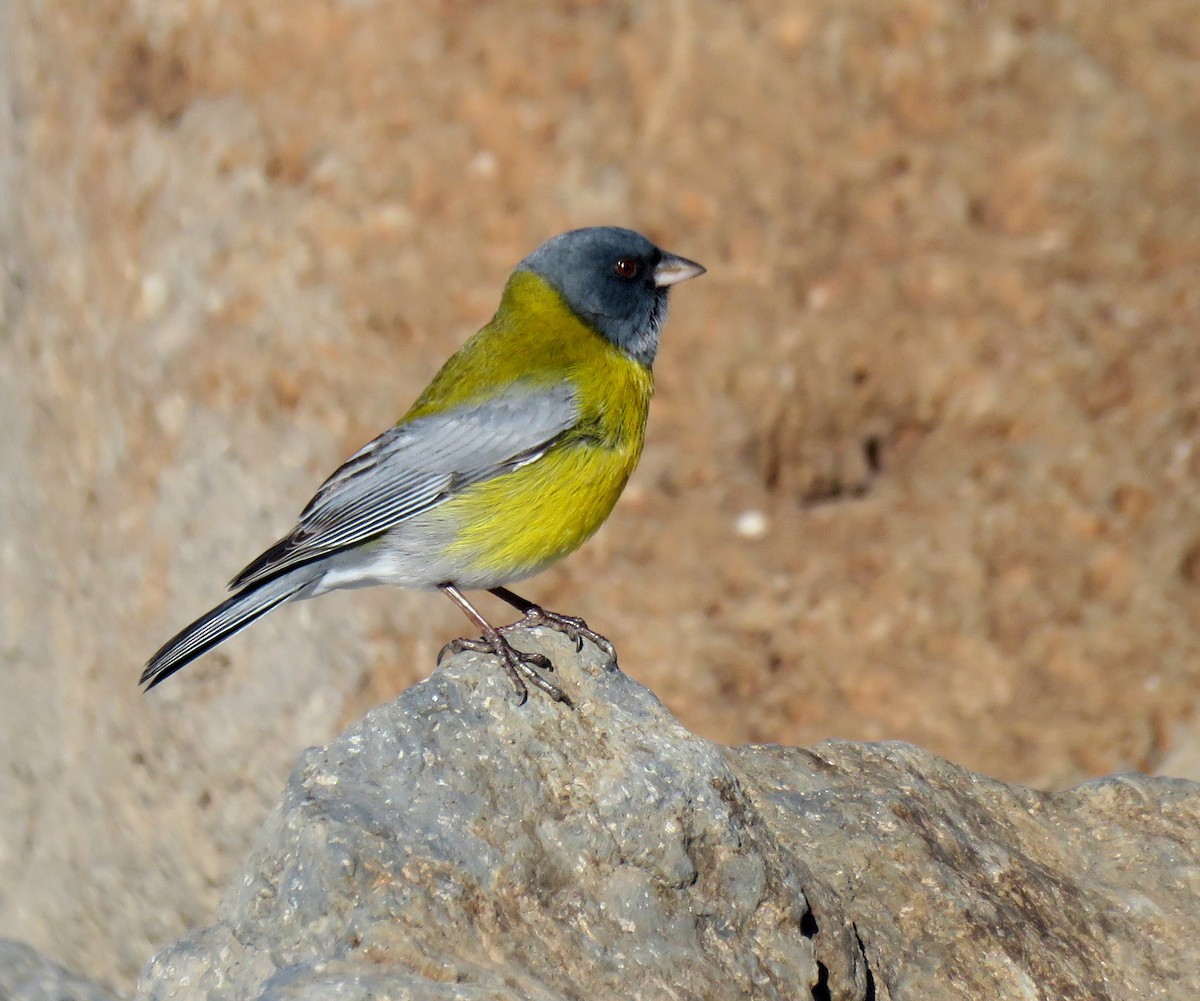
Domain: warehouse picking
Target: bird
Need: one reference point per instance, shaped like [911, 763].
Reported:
[510, 459]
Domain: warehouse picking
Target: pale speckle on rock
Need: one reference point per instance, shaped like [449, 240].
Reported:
[751, 524]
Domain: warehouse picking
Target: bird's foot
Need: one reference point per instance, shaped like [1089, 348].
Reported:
[571, 626]
[520, 666]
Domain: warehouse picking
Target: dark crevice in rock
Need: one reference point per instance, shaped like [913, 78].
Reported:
[821, 991]
[808, 925]
[810, 929]
[870, 992]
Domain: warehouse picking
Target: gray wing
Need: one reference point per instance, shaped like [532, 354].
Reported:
[415, 466]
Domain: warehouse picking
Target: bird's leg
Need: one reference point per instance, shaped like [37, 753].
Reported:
[521, 666]
[571, 626]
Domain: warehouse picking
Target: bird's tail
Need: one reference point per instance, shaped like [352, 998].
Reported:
[222, 622]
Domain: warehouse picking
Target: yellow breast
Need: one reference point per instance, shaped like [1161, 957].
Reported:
[517, 523]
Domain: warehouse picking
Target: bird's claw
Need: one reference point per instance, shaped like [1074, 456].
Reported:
[520, 666]
[461, 644]
[571, 626]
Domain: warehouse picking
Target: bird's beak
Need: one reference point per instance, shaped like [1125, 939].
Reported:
[672, 270]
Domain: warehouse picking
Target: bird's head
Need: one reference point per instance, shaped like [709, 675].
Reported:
[615, 280]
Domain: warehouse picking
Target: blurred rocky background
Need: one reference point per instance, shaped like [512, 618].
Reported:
[922, 462]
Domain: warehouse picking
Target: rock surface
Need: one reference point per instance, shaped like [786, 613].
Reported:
[25, 975]
[455, 845]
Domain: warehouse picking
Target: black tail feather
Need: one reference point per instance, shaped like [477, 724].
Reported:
[264, 562]
[216, 626]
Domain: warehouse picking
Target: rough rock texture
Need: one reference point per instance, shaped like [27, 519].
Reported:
[455, 845]
[27, 976]
[922, 461]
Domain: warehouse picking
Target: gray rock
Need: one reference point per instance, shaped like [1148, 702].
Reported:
[960, 886]
[455, 845]
[26, 975]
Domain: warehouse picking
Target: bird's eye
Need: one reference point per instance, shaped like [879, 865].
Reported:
[627, 267]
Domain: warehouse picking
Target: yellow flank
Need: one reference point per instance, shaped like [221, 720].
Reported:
[516, 523]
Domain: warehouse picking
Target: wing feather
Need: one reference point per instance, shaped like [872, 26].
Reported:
[414, 466]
